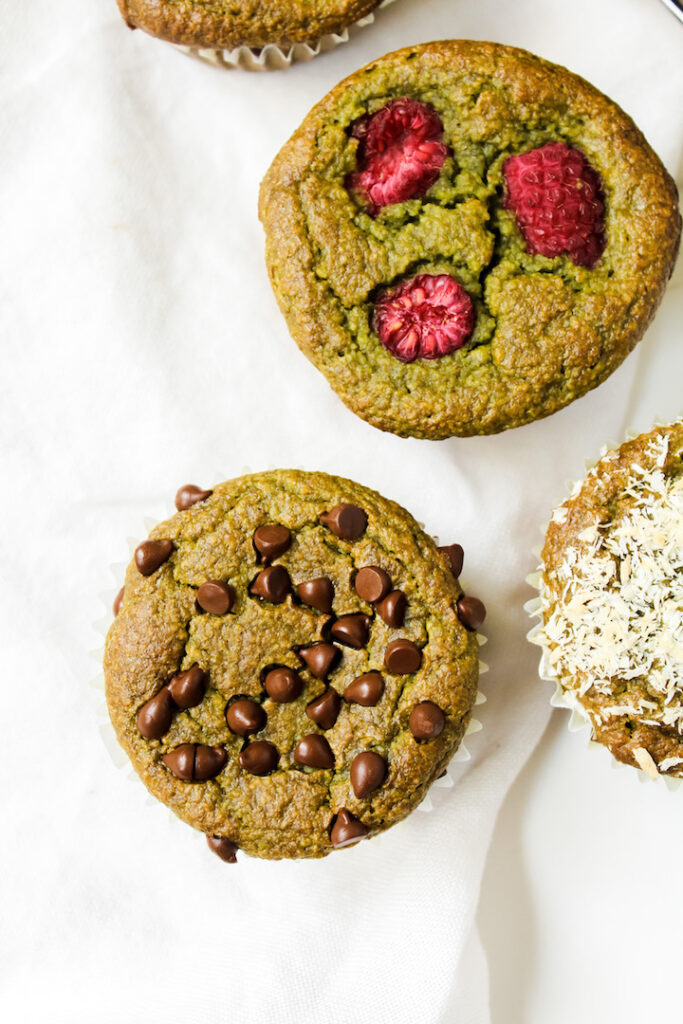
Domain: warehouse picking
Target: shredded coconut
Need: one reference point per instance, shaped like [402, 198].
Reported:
[618, 617]
[644, 759]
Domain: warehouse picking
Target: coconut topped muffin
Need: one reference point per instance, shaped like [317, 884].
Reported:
[612, 600]
[292, 664]
[252, 23]
[463, 238]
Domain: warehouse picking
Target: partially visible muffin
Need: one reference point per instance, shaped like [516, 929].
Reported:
[221, 24]
[463, 238]
[292, 664]
[612, 600]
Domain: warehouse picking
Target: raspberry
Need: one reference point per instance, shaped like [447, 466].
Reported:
[426, 317]
[558, 200]
[400, 153]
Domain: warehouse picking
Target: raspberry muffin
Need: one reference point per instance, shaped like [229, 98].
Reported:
[252, 23]
[463, 238]
[292, 664]
[611, 600]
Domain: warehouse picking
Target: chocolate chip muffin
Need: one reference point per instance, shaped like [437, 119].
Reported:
[252, 23]
[611, 600]
[463, 238]
[292, 664]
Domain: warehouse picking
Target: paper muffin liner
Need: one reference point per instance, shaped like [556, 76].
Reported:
[273, 57]
[579, 720]
[121, 761]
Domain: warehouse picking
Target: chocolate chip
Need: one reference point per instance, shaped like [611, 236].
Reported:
[181, 761]
[118, 600]
[471, 612]
[367, 773]
[402, 657]
[208, 762]
[324, 710]
[245, 717]
[151, 554]
[187, 688]
[352, 630]
[283, 684]
[345, 521]
[259, 757]
[393, 608]
[426, 721]
[155, 717]
[319, 658]
[271, 541]
[314, 751]
[216, 597]
[347, 830]
[365, 690]
[223, 848]
[272, 584]
[372, 583]
[189, 495]
[456, 556]
[317, 593]
[195, 762]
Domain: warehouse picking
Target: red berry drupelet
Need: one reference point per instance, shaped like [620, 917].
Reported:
[425, 317]
[400, 153]
[558, 200]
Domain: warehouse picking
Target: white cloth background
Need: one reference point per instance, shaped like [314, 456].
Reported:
[142, 350]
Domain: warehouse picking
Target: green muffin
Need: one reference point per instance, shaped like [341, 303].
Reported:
[464, 238]
[611, 601]
[292, 664]
[254, 23]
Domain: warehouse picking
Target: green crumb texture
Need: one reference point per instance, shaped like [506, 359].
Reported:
[547, 331]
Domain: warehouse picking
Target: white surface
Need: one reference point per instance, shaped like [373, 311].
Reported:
[143, 349]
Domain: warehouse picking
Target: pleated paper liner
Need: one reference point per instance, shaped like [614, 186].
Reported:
[579, 720]
[273, 57]
[120, 758]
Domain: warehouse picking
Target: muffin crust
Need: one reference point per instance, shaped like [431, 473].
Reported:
[612, 599]
[253, 23]
[547, 330]
[161, 631]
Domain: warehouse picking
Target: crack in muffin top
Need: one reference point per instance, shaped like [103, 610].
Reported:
[257, 601]
[546, 329]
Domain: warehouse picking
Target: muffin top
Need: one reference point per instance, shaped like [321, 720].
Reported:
[253, 23]
[292, 664]
[463, 238]
[612, 599]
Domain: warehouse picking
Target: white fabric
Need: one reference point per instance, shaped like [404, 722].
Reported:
[143, 349]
